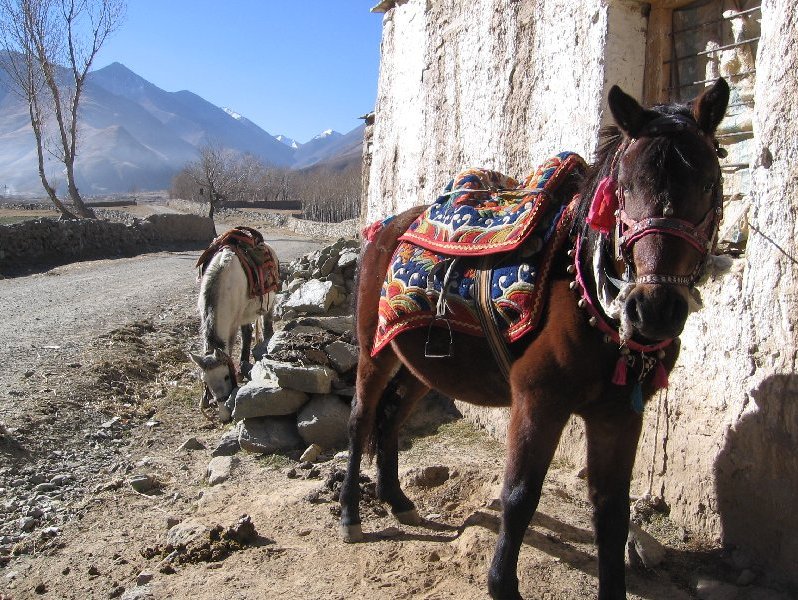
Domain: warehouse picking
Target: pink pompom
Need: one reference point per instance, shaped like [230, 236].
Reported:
[619, 376]
[660, 379]
[601, 215]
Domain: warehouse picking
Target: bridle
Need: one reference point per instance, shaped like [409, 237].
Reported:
[628, 231]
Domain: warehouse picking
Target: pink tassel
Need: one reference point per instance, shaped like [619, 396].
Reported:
[601, 215]
[660, 379]
[619, 376]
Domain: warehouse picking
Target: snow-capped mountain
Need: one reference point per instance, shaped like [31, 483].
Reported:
[290, 142]
[134, 134]
[327, 145]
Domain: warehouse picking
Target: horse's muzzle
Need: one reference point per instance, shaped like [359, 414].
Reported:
[657, 311]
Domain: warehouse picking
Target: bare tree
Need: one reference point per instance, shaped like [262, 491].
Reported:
[49, 47]
[222, 174]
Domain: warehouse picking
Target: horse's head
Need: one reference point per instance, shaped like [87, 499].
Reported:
[667, 183]
[217, 373]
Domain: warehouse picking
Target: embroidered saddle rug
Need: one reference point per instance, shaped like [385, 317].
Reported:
[534, 222]
[256, 257]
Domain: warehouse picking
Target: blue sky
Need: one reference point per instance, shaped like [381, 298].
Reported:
[294, 67]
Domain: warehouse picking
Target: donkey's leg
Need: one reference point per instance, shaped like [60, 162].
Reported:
[397, 403]
[246, 347]
[532, 438]
[372, 377]
[611, 447]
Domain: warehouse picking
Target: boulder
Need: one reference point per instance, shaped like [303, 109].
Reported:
[643, 549]
[347, 259]
[336, 325]
[257, 399]
[313, 379]
[184, 533]
[228, 444]
[219, 469]
[324, 421]
[313, 297]
[343, 356]
[268, 435]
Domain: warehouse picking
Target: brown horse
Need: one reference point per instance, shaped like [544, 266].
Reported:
[644, 224]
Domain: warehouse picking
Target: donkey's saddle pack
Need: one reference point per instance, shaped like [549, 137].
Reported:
[256, 257]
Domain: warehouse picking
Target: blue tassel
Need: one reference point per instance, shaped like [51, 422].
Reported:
[637, 398]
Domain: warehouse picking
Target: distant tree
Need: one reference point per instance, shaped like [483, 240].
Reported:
[223, 174]
[42, 40]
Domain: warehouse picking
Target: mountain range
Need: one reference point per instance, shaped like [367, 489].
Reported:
[134, 135]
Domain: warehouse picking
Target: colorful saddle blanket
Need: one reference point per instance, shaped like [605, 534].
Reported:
[485, 212]
[417, 274]
[256, 257]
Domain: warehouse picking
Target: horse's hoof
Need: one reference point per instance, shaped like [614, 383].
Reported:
[352, 534]
[409, 517]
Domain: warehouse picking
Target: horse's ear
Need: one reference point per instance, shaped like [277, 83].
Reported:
[627, 112]
[196, 359]
[710, 107]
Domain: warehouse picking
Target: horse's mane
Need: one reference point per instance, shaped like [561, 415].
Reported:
[661, 153]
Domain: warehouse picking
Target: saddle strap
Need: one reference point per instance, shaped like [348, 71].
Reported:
[501, 353]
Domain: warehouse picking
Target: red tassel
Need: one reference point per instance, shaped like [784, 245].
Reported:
[660, 379]
[619, 376]
[601, 215]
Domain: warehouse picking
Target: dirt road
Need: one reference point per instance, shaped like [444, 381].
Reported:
[95, 390]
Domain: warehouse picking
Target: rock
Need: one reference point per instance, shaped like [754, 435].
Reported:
[329, 264]
[258, 400]
[116, 591]
[311, 453]
[268, 435]
[312, 297]
[138, 593]
[143, 483]
[336, 325]
[343, 356]
[192, 443]
[286, 339]
[712, 589]
[219, 469]
[62, 479]
[340, 296]
[184, 533]
[45, 487]
[171, 521]
[643, 549]
[347, 259]
[93, 571]
[313, 379]
[324, 421]
[228, 444]
[294, 285]
[431, 476]
[26, 524]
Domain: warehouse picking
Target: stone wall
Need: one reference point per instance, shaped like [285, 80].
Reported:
[46, 242]
[504, 84]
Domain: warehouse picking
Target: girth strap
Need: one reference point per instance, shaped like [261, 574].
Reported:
[501, 353]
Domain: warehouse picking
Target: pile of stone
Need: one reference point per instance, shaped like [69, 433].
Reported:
[302, 384]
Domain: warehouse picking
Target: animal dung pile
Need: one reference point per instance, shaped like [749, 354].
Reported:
[301, 387]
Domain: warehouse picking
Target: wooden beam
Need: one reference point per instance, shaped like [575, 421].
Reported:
[658, 50]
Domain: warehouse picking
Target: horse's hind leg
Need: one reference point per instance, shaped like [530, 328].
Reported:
[611, 447]
[373, 375]
[532, 438]
[397, 403]
[246, 347]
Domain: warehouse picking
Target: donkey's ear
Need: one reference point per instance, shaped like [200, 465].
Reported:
[196, 359]
[628, 114]
[710, 107]
[219, 355]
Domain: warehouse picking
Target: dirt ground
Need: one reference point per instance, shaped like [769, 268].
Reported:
[95, 389]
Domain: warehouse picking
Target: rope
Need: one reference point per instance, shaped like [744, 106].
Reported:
[663, 391]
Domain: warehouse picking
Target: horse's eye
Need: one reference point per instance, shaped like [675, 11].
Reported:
[227, 378]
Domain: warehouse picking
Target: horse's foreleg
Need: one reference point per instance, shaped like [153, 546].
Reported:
[397, 403]
[372, 377]
[532, 438]
[246, 346]
[611, 447]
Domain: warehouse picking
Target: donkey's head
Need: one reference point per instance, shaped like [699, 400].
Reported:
[217, 373]
[669, 203]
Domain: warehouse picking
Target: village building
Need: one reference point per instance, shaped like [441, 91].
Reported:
[504, 84]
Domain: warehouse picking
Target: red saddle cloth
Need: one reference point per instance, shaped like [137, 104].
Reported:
[255, 256]
[486, 212]
[524, 227]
